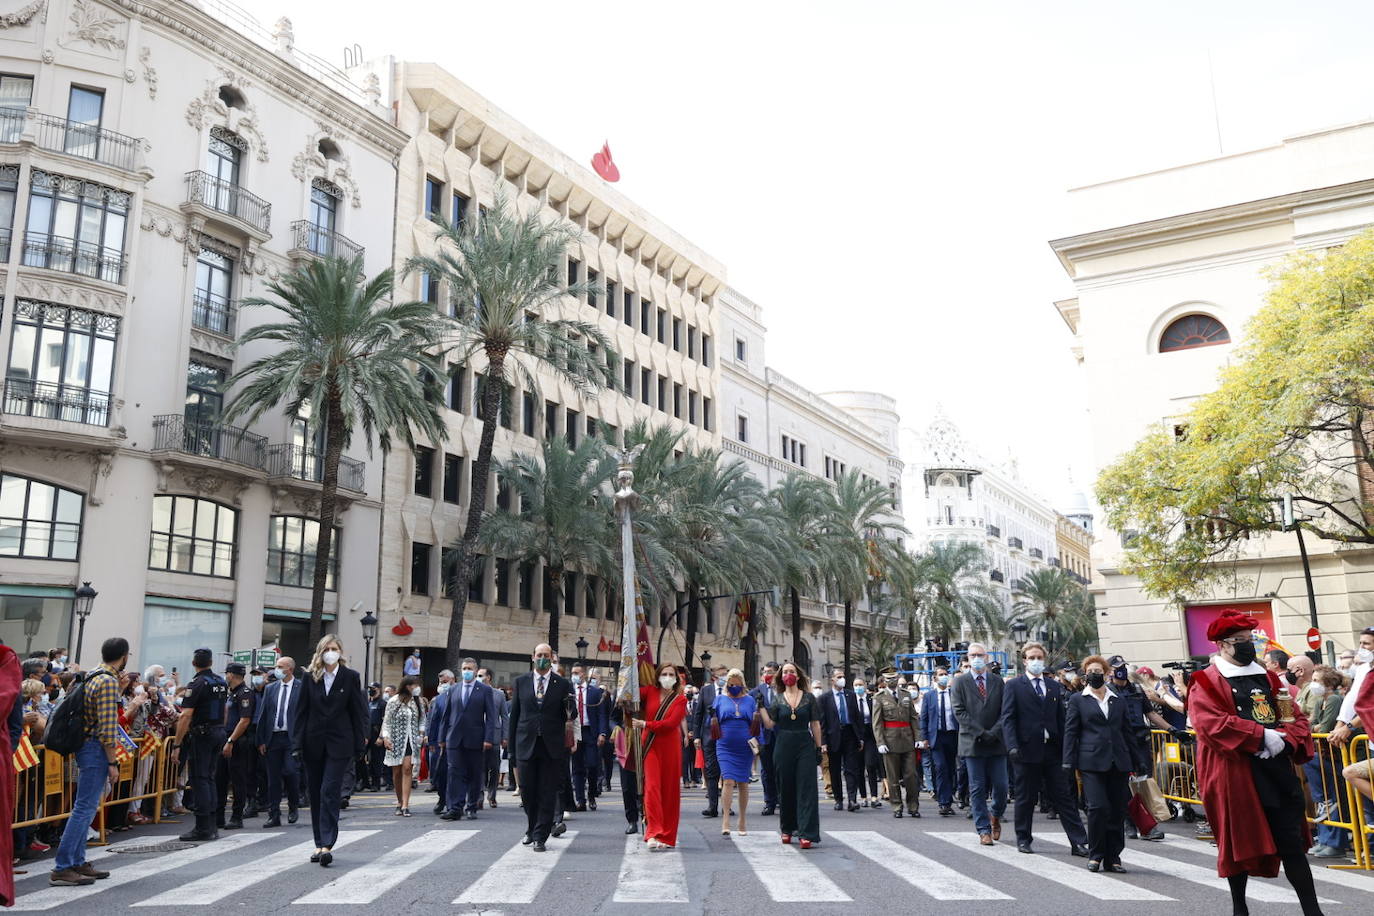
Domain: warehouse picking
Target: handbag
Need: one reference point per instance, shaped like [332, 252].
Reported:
[1140, 815]
[1147, 790]
[715, 727]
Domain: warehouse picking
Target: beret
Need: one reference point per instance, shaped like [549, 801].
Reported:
[1230, 622]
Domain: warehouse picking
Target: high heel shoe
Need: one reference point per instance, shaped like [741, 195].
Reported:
[787, 839]
[725, 831]
[740, 829]
[405, 812]
[805, 844]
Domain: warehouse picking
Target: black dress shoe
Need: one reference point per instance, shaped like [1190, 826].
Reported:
[559, 829]
[1094, 865]
[234, 824]
[343, 804]
[914, 812]
[291, 816]
[591, 805]
[897, 812]
[272, 822]
[527, 840]
[877, 804]
[538, 845]
[1023, 847]
[853, 806]
[196, 836]
[768, 810]
[1116, 868]
[631, 829]
[710, 812]
[326, 858]
[581, 806]
[453, 814]
[839, 806]
[471, 814]
[1080, 850]
[947, 811]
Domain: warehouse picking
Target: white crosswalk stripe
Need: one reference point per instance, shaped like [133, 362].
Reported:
[785, 873]
[926, 875]
[1265, 893]
[1072, 876]
[1360, 881]
[226, 881]
[651, 876]
[518, 875]
[368, 882]
[50, 897]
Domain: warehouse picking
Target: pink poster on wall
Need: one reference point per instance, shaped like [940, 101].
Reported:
[1199, 616]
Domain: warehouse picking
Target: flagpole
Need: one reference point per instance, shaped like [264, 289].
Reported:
[626, 501]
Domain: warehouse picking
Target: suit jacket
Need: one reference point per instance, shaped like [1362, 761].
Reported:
[930, 714]
[1026, 717]
[376, 710]
[761, 695]
[332, 724]
[701, 720]
[1096, 743]
[468, 726]
[895, 722]
[502, 714]
[598, 710]
[832, 732]
[979, 735]
[533, 722]
[267, 709]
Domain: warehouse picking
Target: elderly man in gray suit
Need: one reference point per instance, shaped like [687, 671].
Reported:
[977, 699]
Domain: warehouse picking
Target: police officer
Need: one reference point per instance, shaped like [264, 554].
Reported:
[376, 710]
[238, 747]
[200, 732]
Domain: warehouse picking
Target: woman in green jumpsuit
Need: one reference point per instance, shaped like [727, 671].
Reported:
[796, 738]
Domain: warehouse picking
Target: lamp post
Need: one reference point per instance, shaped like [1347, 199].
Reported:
[369, 625]
[705, 666]
[582, 650]
[82, 603]
[1019, 630]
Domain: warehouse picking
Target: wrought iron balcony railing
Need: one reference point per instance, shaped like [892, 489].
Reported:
[53, 252]
[172, 432]
[1015, 543]
[30, 398]
[303, 463]
[997, 576]
[1037, 553]
[307, 236]
[994, 531]
[228, 198]
[213, 313]
[71, 137]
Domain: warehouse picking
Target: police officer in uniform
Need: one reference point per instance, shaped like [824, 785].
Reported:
[896, 728]
[238, 746]
[200, 736]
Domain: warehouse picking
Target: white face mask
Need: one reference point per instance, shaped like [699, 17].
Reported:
[839, 683]
[667, 681]
[415, 691]
[816, 691]
[576, 679]
[330, 658]
[1035, 666]
[1317, 689]
[1364, 656]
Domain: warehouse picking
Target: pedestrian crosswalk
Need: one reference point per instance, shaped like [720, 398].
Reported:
[464, 865]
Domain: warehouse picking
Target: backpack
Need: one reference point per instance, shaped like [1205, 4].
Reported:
[66, 731]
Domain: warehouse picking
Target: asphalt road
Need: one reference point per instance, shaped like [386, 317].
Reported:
[867, 862]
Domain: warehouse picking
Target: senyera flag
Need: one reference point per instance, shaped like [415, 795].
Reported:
[604, 164]
[636, 658]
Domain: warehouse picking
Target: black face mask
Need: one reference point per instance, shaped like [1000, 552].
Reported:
[1291, 678]
[1244, 653]
[1096, 679]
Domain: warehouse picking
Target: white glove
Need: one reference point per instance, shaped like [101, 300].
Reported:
[1273, 742]
[882, 749]
[922, 745]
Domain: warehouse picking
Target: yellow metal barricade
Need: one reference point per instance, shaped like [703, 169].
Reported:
[1175, 765]
[1358, 752]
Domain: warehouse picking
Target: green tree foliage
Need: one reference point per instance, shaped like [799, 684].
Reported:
[1053, 603]
[952, 594]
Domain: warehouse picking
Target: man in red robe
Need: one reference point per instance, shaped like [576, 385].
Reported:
[1246, 753]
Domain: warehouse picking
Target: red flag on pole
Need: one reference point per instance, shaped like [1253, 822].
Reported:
[604, 165]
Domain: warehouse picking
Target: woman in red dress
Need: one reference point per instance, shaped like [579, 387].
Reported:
[664, 707]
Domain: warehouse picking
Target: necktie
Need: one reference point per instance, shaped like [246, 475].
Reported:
[467, 692]
[944, 719]
[282, 699]
[844, 713]
[982, 688]
[539, 688]
[581, 707]
[1039, 690]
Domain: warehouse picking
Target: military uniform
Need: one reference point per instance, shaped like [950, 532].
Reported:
[242, 759]
[205, 697]
[895, 723]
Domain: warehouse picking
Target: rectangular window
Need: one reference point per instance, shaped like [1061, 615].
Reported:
[592, 277]
[677, 400]
[419, 568]
[211, 309]
[570, 427]
[528, 414]
[662, 393]
[324, 216]
[691, 342]
[646, 315]
[453, 478]
[611, 298]
[646, 386]
[527, 573]
[194, 536]
[677, 334]
[434, 199]
[591, 427]
[742, 428]
[477, 577]
[629, 378]
[551, 596]
[61, 363]
[801, 452]
[662, 326]
[448, 566]
[76, 226]
[16, 94]
[570, 580]
[455, 390]
[627, 307]
[459, 209]
[706, 420]
[204, 405]
[291, 544]
[574, 271]
[175, 628]
[429, 289]
[692, 407]
[424, 471]
[38, 520]
[706, 350]
[84, 108]
[741, 353]
[550, 420]
[502, 596]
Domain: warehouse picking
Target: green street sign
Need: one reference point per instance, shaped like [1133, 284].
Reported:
[244, 656]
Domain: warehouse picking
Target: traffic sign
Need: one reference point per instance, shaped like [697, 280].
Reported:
[244, 657]
[1314, 638]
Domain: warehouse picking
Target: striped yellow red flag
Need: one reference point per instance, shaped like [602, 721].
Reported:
[147, 745]
[24, 755]
[125, 748]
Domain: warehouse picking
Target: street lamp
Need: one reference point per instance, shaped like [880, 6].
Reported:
[582, 650]
[1019, 631]
[705, 666]
[82, 603]
[369, 625]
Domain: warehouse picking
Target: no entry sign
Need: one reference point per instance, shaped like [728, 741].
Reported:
[1314, 638]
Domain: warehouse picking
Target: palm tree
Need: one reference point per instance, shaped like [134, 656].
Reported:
[859, 514]
[954, 594]
[347, 355]
[1054, 603]
[564, 517]
[799, 501]
[504, 276]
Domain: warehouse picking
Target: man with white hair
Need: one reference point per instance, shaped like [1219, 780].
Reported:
[977, 698]
[438, 760]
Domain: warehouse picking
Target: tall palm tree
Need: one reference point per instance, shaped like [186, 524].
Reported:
[564, 517]
[954, 594]
[504, 275]
[867, 547]
[800, 504]
[1054, 603]
[347, 355]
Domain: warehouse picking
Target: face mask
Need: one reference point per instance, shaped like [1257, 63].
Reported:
[281, 675]
[1096, 679]
[62, 659]
[576, 678]
[914, 692]
[1290, 677]
[445, 688]
[789, 679]
[943, 680]
[734, 690]
[330, 658]
[1119, 673]
[720, 682]
[816, 691]
[415, 654]
[839, 683]
[1035, 666]
[1244, 653]
[165, 681]
[177, 701]
[543, 664]
[1364, 656]
[1073, 676]
[667, 681]
[415, 691]
[768, 678]
[978, 664]
[592, 682]
[258, 680]
[1316, 689]
[860, 690]
[890, 684]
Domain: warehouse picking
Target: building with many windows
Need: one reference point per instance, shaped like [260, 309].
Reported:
[1167, 267]
[658, 303]
[778, 427]
[157, 166]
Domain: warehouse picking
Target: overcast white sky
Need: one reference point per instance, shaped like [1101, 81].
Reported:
[882, 177]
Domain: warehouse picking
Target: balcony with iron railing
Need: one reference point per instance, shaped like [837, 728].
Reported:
[312, 240]
[87, 259]
[85, 141]
[53, 401]
[215, 198]
[1036, 553]
[997, 576]
[174, 433]
[213, 313]
[296, 462]
[1015, 543]
[994, 531]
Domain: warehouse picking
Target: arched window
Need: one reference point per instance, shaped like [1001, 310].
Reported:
[1192, 331]
[38, 520]
[193, 536]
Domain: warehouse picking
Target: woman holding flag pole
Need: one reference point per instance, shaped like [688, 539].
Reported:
[660, 756]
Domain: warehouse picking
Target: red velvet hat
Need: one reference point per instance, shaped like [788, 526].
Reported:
[1230, 622]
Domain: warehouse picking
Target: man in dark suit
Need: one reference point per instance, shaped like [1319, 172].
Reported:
[279, 704]
[1033, 730]
[434, 738]
[542, 715]
[492, 757]
[843, 739]
[940, 734]
[977, 695]
[371, 761]
[701, 727]
[594, 727]
[763, 697]
[466, 731]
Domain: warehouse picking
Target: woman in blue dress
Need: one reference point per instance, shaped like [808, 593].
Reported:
[735, 711]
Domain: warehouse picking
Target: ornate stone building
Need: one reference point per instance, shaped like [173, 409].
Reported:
[159, 163]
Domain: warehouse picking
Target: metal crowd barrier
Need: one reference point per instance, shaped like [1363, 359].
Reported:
[1330, 795]
[44, 793]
